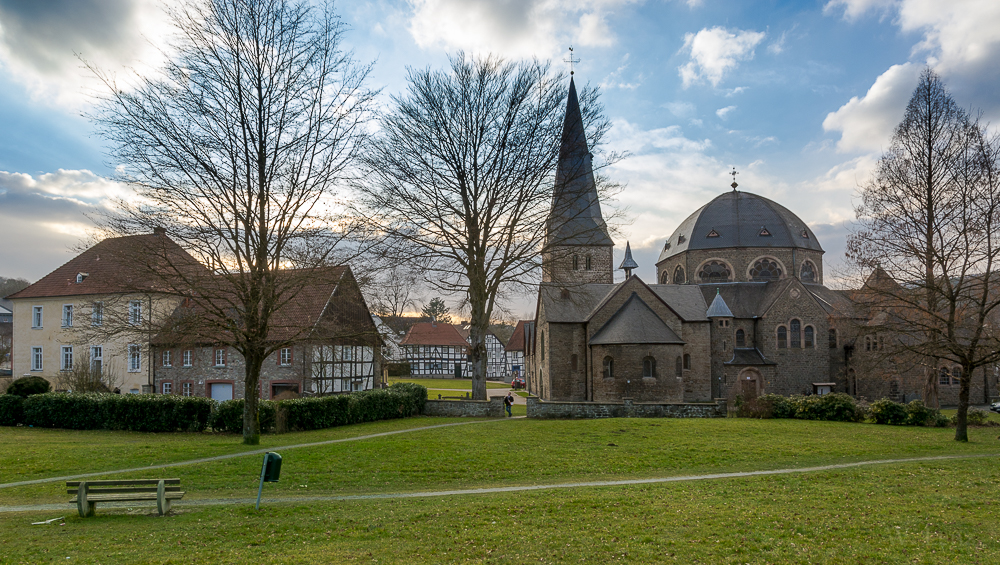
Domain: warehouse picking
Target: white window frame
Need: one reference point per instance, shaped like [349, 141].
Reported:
[135, 312]
[285, 356]
[97, 314]
[37, 317]
[67, 316]
[186, 358]
[37, 358]
[134, 358]
[186, 389]
[166, 359]
[166, 387]
[220, 357]
[96, 354]
[66, 358]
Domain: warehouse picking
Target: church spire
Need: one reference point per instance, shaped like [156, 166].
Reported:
[575, 218]
[628, 263]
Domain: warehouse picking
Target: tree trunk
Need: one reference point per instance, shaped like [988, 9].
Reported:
[479, 326]
[962, 416]
[931, 390]
[251, 402]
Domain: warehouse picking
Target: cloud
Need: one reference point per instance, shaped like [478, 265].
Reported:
[716, 51]
[614, 79]
[723, 112]
[854, 9]
[38, 41]
[516, 28]
[680, 109]
[866, 123]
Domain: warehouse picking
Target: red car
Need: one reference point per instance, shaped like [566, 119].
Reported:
[517, 383]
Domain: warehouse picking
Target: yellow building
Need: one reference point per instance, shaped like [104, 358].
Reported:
[97, 312]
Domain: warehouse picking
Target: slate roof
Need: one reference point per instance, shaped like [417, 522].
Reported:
[835, 302]
[628, 262]
[744, 299]
[575, 218]
[114, 265]
[575, 309]
[748, 356]
[635, 322]
[427, 333]
[737, 218]
[718, 308]
[516, 341]
[685, 299]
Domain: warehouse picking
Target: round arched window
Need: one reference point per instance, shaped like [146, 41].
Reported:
[609, 367]
[679, 275]
[714, 271]
[664, 277]
[649, 367]
[808, 272]
[765, 270]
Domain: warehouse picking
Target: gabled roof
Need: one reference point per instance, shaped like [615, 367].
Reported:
[115, 265]
[428, 333]
[748, 356]
[635, 322]
[516, 341]
[576, 308]
[685, 299]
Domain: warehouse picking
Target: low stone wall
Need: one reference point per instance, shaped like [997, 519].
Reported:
[492, 408]
[626, 409]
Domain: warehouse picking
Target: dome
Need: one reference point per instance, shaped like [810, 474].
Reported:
[740, 219]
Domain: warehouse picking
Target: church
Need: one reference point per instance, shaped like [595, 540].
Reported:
[738, 306]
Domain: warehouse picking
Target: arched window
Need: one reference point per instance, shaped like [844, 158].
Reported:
[576, 262]
[795, 329]
[956, 375]
[741, 338]
[609, 367]
[679, 275]
[808, 273]
[765, 269]
[782, 337]
[833, 338]
[648, 367]
[810, 338]
[714, 271]
[944, 377]
[678, 367]
[588, 262]
[687, 361]
[664, 277]
[541, 344]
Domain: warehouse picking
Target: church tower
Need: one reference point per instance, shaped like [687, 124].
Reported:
[578, 249]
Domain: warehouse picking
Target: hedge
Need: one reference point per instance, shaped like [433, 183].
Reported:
[27, 386]
[228, 416]
[11, 409]
[834, 407]
[105, 411]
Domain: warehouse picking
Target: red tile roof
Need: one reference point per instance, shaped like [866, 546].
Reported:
[516, 341]
[427, 333]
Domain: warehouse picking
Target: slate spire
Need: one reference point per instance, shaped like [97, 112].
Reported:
[718, 308]
[575, 218]
[628, 263]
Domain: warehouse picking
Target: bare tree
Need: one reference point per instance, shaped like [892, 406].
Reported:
[89, 375]
[392, 291]
[930, 219]
[235, 150]
[461, 176]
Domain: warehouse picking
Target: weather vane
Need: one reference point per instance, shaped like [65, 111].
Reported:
[571, 60]
[734, 173]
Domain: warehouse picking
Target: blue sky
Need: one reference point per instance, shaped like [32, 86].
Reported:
[799, 96]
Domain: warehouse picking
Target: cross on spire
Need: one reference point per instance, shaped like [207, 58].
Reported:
[571, 60]
[733, 173]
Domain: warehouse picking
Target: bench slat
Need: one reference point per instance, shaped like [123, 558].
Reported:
[102, 490]
[125, 483]
[127, 497]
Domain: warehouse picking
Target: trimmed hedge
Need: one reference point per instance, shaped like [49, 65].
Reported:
[11, 409]
[228, 416]
[130, 412]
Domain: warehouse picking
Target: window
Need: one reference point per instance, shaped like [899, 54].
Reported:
[80, 277]
[220, 357]
[186, 389]
[765, 269]
[808, 273]
[714, 271]
[135, 312]
[186, 358]
[609, 368]
[588, 263]
[687, 361]
[809, 337]
[868, 343]
[66, 363]
[679, 367]
[741, 338]
[285, 356]
[944, 377]
[679, 275]
[166, 359]
[795, 329]
[648, 367]
[782, 337]
[576, 262]
[573, 362]
[36, 316]
[97, 314]
[97, 359]
[134, 358]
[833, 339]
[67, 316]
[36, 358]
[956, 375]
[664, 279]
[167, 387]
[541, 344]
[348, 353]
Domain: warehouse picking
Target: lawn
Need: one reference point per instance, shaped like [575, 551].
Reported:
[450, 384]
[940, 511]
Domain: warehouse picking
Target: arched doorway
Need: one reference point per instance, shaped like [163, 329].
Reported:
[749, 383]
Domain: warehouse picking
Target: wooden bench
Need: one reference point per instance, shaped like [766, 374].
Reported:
[89, 493]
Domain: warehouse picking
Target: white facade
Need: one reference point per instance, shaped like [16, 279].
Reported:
[342, 368]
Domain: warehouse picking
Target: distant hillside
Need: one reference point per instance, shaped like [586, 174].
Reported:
[10, 286]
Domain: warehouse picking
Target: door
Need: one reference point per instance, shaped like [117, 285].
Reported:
[221, 391]
[748, 389]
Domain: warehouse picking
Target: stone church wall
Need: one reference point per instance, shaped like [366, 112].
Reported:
[627, 379]
[740, 260]
[557, 265]
[798, 368]
[559, 380]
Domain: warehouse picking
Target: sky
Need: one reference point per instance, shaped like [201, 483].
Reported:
[800, 97]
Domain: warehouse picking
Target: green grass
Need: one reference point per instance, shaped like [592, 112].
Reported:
[450, 384]
[942, 511]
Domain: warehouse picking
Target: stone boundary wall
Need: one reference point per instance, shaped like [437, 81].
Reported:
[627, 409]
[492, 408]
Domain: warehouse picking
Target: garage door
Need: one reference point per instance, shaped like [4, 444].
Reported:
[222, 391]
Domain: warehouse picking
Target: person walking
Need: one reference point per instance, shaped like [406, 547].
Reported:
[508, 401]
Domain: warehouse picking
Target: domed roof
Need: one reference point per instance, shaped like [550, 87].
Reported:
[740, 219]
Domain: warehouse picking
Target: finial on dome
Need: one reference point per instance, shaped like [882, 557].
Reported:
[734, 173]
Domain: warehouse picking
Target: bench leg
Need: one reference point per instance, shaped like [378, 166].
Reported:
[162, 504]
[83, 506]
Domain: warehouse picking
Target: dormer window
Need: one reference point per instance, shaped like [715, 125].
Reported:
[681, 239]
[713, 233]
[764, 232]
[666, 246]
[80, 277]
[805, 234]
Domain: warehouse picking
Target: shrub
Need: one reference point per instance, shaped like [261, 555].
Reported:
[131, 412]
[975, 417]
[11, 410]
[228, 416]
[26, 386]
[315, 413]
[885, 411]
[918, 414]
[768, 406]
[833, 407]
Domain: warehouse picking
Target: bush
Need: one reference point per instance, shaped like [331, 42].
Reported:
[26, 386]
[228, 416]
[918, 414]
[833, 407]
[11, 410]
[975, 417]
[315, 413]
[767, 406]
[131, 412]
[885, 411]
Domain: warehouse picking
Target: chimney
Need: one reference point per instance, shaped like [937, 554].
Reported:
[159, 231]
